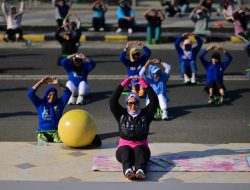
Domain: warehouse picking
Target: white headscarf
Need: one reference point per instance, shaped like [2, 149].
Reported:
[136, 96]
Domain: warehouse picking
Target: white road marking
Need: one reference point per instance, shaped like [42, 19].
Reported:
[104, 77]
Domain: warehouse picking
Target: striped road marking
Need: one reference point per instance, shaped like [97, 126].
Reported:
[103, 77]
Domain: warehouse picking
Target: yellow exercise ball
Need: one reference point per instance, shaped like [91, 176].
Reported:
[77, 128]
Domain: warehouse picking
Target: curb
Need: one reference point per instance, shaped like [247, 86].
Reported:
[123, 38]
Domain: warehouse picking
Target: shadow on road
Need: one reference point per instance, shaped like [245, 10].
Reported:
[14, 114]
[13, 89]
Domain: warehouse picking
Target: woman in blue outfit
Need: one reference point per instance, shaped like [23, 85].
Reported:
[187, 56]
[99, 9]
[135, 62]
[50, 108]
[126, 17]
[214, 71]
[158, 79]
[154, 18]
[78, 66]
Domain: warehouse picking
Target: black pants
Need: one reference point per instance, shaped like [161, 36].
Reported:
[12, 34]
[124, 24]
[98, 23]
[138, 157]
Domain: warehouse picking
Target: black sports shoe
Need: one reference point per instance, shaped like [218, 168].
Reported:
[129, 173]
[97, 141]
[140, 174]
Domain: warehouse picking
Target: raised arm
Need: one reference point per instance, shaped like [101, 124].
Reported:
[204, 62]
[199, 43]
[32, 91]
[114, 104]
[21, 8]
[153, 99]
[4, 8]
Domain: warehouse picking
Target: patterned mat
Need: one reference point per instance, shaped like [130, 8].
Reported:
[179, 163]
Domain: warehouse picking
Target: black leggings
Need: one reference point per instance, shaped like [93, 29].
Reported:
[138, 157]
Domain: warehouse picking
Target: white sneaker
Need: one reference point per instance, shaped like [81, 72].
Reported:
[164, 115]
[186, 79]
[72, 100]
[130, 30]
[91, 29]
[193, 80]
[118, 30]
[101, 29]
[80, 100]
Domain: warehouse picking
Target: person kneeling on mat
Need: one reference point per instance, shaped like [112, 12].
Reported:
[133, 123]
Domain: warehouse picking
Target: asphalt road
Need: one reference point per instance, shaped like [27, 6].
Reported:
[191, 118]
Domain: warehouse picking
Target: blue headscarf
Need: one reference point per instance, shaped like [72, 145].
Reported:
[53, 115]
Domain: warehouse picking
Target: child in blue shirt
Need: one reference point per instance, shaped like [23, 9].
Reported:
[214, 71]
[50, 108]
[187, 56]
[158, 79]
[135, 61]
[78, 66]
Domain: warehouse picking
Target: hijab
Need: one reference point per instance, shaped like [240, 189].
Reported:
[136, 96]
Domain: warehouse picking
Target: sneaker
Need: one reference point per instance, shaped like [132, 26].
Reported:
[118, 30]
[129, 173]
[186, 79]
[130, 30]
[72, 100]
[140, 174]
[210, 99]
[221, 99]
[164, 115]
[193, 80]
[101, 29]
[91, 29]
[141, 92]
[80, 100]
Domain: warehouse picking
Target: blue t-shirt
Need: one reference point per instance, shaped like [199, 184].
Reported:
[98, 12]
[83, 70]
[48, 119]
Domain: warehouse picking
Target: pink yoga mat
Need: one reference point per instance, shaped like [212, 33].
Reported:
[179, 163]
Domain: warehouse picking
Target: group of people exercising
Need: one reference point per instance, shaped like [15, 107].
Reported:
[146, 77]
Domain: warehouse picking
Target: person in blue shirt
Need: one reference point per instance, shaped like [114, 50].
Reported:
[135, 61]
[98, 22]
[50, 108]
[78, 66]
[214, 71]
[187, 56]
[126, 17]
[158, 79]
[61, 10]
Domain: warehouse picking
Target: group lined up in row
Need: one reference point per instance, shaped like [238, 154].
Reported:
[200, 15]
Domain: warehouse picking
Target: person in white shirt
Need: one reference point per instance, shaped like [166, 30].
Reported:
[13, 19]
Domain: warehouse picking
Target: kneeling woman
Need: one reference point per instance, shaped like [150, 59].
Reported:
[133, 124]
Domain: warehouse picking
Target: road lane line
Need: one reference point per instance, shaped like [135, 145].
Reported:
[104, 77]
